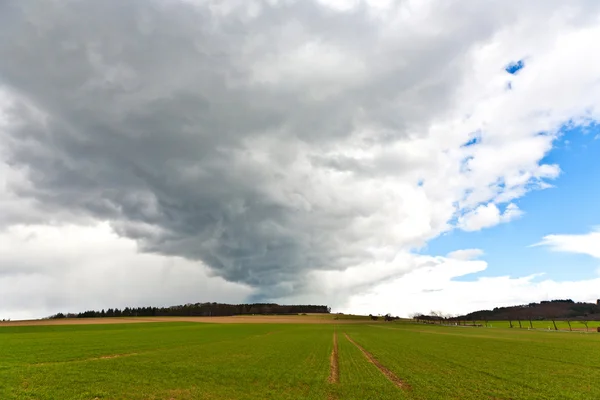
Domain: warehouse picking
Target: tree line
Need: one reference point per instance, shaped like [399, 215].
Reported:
[199, 310]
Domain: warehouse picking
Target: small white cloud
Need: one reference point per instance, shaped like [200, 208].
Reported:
[483, 216]
[466, 254]
[488, 215]
[511, 212]
[583, 244]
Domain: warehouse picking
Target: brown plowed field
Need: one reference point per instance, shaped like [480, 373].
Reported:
[241, 319]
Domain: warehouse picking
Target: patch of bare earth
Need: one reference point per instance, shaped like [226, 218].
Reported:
[386, 372]
[71, 321]
[111, 356]
[237, 319]
[334, 369]
[176, 394]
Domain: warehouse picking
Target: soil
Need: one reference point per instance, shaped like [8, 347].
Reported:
[334, 370]
[238, 319]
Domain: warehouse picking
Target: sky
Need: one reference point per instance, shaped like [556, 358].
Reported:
[374, 156]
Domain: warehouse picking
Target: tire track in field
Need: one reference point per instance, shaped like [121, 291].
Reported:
[386, 372]
[334, 368]
[82, 360]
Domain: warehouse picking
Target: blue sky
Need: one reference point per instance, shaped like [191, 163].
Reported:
[569, 207]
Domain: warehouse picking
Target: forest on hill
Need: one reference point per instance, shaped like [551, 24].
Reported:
[545, 310]
[566, 310]
[199, 310]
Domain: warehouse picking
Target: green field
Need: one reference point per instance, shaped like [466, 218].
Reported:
[188, 360]
[546, 324]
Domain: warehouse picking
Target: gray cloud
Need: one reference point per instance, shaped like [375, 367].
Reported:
[205, 133]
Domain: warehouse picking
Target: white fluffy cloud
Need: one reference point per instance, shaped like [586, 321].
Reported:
[278, 142]
[435, 288]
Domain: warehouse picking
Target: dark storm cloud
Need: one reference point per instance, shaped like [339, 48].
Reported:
[202, 133]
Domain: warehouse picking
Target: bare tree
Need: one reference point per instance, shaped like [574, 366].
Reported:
[569, 322]
[530, 323]
[510, 323]
[416, 316]
[586, 325]
[554, 322]
[449, 317]
[437, 315]
[520, 327]
[446, 317]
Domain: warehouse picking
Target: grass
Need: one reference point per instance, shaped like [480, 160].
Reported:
[475, 363]
[166, 360]
[185, 360]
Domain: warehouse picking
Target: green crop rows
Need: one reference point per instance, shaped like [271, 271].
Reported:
[292, 361]
[546, 324]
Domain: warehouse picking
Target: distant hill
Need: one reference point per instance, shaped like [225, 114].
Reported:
[554, 309]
